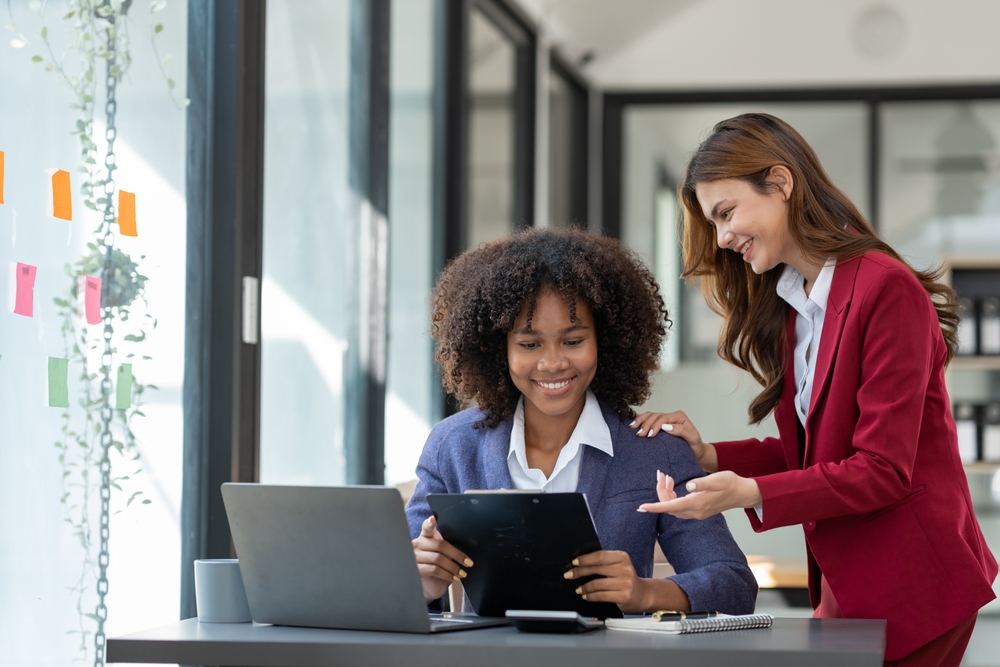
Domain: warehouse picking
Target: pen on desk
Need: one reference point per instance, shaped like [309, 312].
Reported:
[682, 615]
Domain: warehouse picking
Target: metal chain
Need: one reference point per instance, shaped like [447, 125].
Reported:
[107, 279]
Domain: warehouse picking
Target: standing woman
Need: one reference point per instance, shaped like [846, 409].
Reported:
[850, 345]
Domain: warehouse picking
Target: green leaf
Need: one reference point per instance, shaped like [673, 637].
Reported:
[170, 84]
[38, 59]
[147, 501]
[45, 33]
[132, 497]
[158, 28]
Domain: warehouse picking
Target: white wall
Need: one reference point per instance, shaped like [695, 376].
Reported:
[774, 43]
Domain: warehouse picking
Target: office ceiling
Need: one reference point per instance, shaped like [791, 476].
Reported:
[600, 27]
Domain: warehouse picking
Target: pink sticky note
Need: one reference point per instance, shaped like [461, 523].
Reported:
[88, 290]
[24, 299]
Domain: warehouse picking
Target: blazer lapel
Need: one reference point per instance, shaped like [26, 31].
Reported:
[785, 415]
[495, 447]
[841, 291]
[594, 469]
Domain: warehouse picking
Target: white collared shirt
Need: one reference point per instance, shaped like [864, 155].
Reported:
[811, 311]
[591, 430]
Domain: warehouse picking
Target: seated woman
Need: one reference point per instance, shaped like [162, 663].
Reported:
[554, 334]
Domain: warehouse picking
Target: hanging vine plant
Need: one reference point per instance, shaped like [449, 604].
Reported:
[98, 40]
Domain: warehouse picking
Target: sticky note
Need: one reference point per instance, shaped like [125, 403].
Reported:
[24, 289]
[61, 199]
[1, 177]
[88, 292]
[58, 382]
[123, 387]
[126, 213]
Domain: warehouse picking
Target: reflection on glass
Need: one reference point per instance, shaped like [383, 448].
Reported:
[940, 176]
[491, 131]
[306, 197]
[412, 385]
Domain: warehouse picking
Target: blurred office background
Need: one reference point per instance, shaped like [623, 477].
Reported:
[338, 152]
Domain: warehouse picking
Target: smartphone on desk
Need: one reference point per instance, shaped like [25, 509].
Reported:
[560, 622]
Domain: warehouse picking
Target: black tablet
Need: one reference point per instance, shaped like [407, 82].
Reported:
[521, 544]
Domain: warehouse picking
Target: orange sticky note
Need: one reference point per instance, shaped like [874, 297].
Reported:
[62, 199]
[1, 177]
[126, 213]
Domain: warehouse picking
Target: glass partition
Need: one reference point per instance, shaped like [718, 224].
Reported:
[940, 179]
[50, 414]
[492, 84]
[413, 389]
[657, 142]
[306, 205]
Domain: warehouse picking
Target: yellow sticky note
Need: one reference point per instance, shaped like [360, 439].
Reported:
[1, 177]
[126, 213]
[62, 199]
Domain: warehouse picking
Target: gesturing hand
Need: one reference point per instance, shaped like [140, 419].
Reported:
[438, 562]
[619, 584]
[707, 496]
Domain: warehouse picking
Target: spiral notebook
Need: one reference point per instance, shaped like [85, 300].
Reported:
[684, 626]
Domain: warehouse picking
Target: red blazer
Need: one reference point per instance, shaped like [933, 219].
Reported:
[880, 492]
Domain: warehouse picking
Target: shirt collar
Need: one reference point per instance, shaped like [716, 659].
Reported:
[591, 430]
[790, 288]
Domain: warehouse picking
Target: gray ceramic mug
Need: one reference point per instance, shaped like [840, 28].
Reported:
[219, 592]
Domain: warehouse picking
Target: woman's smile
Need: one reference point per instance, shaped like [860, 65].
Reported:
[552, 358]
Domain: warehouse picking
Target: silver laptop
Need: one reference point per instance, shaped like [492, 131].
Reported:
[331, 557]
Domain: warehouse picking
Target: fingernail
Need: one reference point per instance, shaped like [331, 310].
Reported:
[651, 433]
[668, 427]
[455, 578]
[641, 510]
[576, 561]
[691, 486]
[468, 562]
[632, 425]
[640, 431]
[659, 474]
[568, 574]
[584, 596]
[579, 590]
[463, 574]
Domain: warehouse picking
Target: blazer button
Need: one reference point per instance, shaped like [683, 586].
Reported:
[809, 525]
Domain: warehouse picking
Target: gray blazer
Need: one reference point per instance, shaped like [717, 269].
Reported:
[710, 568]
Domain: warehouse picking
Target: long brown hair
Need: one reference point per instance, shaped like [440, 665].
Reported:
[821, 220]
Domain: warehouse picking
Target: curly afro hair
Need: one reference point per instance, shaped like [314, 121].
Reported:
[481, 293]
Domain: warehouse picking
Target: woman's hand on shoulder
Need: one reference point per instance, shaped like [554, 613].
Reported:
[677, 423]
[438, 562]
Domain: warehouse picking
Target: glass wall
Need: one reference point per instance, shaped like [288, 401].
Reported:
[939, 203]
[492, 82]
[49, 529]
[412, 384]
[657, 142]
[306, 208]
[567, 150]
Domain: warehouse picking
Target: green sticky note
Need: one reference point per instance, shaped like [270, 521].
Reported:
[123, 387]
[58, 382]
